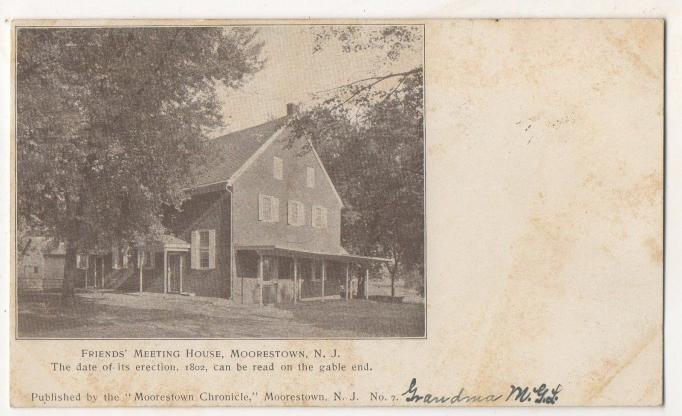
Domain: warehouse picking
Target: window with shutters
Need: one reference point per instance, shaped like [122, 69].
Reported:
[121, 256]
[204, 250]
[268, 208]
[277, 168]
[319, 219]
[126, 256]
[295, 213]
[310, 178]
[82, 261]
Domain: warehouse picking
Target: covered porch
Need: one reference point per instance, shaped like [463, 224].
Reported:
[275, 274]
[172, 253]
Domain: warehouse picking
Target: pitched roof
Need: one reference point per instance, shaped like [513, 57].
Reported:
[60, 250]
[46, 246]
[170, 239]
[228, 153]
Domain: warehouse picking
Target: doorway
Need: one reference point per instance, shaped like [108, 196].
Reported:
[174, 273]
[96, 272]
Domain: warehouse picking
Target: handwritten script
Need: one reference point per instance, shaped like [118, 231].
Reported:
[522, 394]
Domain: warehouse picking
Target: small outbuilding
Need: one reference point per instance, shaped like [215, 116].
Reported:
[41, 265]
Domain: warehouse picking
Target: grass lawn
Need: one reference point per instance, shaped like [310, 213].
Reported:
[148, 315]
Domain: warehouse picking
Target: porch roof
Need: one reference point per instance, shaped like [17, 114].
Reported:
[342, 255]
[170, 242]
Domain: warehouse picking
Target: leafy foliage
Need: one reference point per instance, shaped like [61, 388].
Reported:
[391, 40]
[110, 122]
[370, 135]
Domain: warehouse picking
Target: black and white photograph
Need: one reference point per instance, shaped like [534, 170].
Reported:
[220, 182]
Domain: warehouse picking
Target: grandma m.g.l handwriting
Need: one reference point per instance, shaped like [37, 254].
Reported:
[522, 394]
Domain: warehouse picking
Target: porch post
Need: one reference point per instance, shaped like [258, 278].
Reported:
[165, 270]
[347, 285]
[140, 264]
[295, 279]
[181, 256]
[324, 276]
[233, 270]
[367, 282]
[276, 282]
[260, 278]
[312, 270]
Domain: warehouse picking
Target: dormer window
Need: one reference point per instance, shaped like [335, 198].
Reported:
[277, 168]
[310, 178]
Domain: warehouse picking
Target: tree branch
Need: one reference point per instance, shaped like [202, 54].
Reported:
[377, 78]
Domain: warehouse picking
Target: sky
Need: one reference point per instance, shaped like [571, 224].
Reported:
[293, 73]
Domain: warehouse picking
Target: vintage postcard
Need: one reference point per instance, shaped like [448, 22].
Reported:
[337, 213]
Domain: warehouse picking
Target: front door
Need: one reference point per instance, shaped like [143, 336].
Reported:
[174, 273]
[270, 277]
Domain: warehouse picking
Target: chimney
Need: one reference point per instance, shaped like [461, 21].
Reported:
[291, 109]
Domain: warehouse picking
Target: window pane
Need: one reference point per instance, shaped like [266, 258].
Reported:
[203, 239]
[203, 259]
[267, 209]
[317, 216]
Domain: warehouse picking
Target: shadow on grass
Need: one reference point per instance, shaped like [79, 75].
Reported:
[367, 318]
[43, 315]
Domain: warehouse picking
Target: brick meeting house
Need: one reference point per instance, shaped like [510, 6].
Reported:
[262, 225]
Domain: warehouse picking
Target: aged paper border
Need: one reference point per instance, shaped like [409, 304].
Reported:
[644, 8]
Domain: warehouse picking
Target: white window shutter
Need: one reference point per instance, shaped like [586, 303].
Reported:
[324, 217]
[115, 258]
[194, 247]
[301, 214]
[125, 257]
[274, 209]
[211, 249]
[291, 206]
[316, 213]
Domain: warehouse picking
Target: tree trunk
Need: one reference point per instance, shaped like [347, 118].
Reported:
[394, 271]
[74, 208]
[70, 271]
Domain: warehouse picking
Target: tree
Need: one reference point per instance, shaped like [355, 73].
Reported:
[111, 121]
[370, 135]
